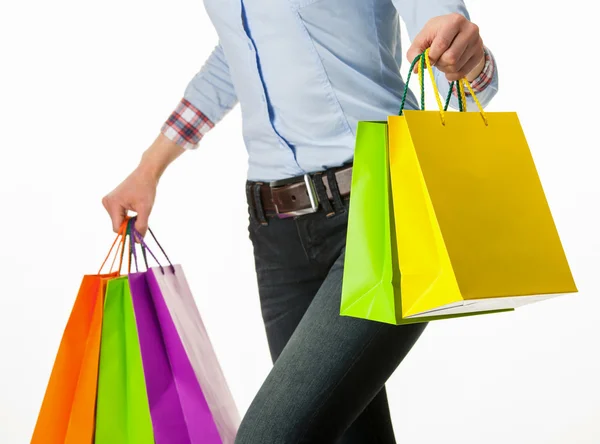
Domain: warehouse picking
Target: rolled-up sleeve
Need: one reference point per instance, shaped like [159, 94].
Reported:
[209, 96]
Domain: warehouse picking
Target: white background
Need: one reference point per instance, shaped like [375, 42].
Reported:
[84, 88]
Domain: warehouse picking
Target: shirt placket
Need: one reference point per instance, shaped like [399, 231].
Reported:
[257, 71]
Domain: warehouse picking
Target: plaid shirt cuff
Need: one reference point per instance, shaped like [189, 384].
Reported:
[186, 125]
[484, 79]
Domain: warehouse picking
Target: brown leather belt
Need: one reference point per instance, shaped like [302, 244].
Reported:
[297, 196]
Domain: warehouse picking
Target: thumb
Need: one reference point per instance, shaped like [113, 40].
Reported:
[141, 223]
[420, 43]
[116, 212]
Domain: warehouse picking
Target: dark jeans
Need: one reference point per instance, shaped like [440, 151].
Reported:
[329, 371]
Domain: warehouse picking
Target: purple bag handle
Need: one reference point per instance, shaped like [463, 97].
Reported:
[135, 235]
[133, 249]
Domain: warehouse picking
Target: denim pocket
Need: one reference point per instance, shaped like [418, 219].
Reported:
[254, 224]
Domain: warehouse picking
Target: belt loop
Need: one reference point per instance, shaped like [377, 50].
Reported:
[335, 192]
[260, 212]
[322, 193]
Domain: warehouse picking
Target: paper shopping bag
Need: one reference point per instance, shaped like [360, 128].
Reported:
[179, 300]
[68, 409]
[472, 231]
[67, 414]
[174, 393]
[369, 286]
[183, 377]
[123, 413]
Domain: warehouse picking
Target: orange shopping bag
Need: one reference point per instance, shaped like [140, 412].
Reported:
[68, 410]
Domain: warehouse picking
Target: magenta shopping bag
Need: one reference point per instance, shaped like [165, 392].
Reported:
[189, 400]
[173, 285]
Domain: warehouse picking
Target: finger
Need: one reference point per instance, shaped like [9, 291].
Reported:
[141, 223]
[420, 43]
[444, 38]
[456, 55]
[470, 65]
[455, 69]
[466, 64]
[466, 46]
[116, 213]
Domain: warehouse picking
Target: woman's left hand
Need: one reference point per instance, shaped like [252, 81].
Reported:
[456, 48]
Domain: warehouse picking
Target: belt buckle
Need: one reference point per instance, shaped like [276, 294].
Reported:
[312, 196]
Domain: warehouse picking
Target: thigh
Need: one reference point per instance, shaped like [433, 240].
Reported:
[327, 375]
[288, 279]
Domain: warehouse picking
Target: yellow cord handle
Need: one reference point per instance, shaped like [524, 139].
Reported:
[461, 90]
[463, 96]
[466, 83]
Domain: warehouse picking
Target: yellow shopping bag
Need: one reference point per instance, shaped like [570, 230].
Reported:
[473, 228]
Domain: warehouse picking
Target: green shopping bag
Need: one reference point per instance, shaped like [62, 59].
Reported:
[371, 283]
[123, 413]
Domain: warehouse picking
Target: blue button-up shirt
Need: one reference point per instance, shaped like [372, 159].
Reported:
[306, 71]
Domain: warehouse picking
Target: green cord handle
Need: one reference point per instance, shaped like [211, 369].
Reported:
[422, 81]
[421, 58]
[404, 94]
[451, 89]
[451, 86]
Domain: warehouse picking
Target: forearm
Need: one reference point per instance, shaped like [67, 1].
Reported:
[159, 156]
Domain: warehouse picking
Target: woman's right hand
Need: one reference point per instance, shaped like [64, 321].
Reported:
[138, 191]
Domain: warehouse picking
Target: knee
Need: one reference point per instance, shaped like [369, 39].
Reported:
[263, 431]
[269, 426]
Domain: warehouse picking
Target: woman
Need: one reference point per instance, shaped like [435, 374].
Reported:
[305, 72]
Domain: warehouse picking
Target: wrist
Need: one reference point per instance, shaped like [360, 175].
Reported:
[475, 72]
